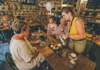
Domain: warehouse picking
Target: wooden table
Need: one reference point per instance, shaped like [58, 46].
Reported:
[89, 38]
[98, 43]
[59, 63]
[5, 28]
[45, 49]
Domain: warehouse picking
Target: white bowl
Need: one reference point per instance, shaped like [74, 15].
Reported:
[59, 45]
[51, 45]
[73, 55]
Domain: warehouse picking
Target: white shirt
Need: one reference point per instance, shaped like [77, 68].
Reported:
[22, 53]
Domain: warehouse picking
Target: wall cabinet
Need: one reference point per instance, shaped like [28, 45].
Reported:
[92, 18]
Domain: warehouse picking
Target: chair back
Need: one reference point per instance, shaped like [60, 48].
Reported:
[10, 61]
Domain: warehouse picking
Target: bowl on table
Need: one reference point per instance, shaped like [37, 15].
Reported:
[59, 45]
[53, 46]
[72, 56]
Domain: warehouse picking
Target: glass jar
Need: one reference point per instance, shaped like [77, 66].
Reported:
[72, 64]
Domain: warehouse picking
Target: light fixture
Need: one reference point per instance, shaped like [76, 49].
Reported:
[49, 7]
[65, 5]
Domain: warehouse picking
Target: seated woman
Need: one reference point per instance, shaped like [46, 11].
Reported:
[25, 56]
[52, 26]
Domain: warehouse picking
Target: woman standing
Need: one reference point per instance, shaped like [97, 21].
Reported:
[76, 30]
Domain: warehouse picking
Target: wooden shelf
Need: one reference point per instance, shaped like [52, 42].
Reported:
[13, 2]
[92, 22]
[91, 10]
[90, 17]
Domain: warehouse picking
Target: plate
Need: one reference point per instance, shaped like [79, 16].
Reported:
[71, 58]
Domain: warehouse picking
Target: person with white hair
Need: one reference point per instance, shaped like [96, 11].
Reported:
[25, 56]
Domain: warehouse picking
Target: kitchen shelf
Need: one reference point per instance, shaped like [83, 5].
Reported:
[90, 17]
[92, 22]
[91, 11]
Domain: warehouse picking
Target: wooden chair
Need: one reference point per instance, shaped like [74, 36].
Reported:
[10, 61]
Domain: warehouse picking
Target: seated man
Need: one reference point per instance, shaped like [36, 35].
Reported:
[62, 28]
[25, 56]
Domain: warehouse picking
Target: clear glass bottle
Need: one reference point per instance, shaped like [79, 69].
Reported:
[39, 30]
[62, 41]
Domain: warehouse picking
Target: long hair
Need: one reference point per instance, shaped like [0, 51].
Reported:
[69, 9]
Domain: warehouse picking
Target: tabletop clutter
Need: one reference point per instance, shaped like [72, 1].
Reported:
[52, 48]
[56, 46]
